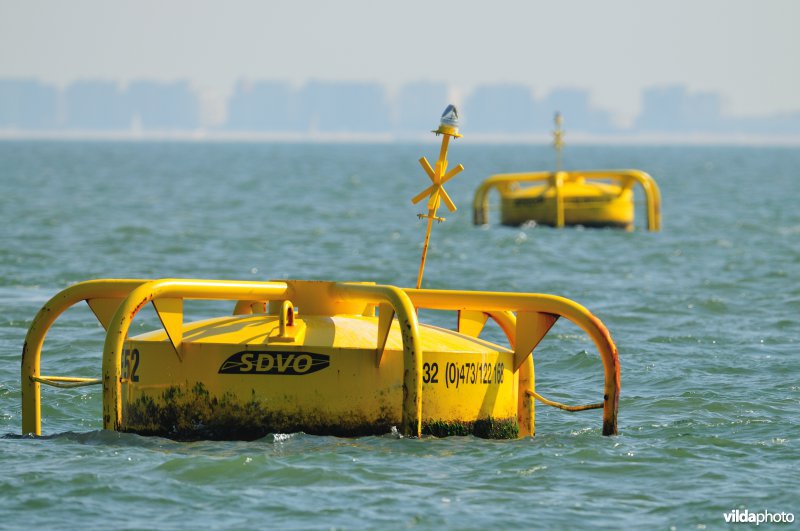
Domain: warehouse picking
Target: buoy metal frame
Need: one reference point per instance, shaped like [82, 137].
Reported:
[507, 183]
[524, 318]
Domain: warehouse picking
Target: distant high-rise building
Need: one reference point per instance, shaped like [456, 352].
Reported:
[263, 106]
[704, 112]
[96, 105]
[501, 108]
[579, 115]
[164, 106]
[662, 109]
[27, 104]
[418, 105]
[672, 109]
[344, 107]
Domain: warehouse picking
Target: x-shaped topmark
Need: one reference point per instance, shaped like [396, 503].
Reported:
[436, 191]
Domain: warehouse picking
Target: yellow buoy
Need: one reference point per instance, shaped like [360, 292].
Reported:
[332, 358]
[590, 198]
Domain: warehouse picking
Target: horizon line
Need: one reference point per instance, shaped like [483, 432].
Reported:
[580, 139]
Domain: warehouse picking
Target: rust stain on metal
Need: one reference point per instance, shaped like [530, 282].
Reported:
[610, 423]
[141, 305]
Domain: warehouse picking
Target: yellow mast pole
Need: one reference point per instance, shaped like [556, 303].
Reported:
[558, 139]
[436, 192]
[425, 250]
[558, 177]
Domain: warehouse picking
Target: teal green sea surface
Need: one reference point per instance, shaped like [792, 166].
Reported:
[705, 313]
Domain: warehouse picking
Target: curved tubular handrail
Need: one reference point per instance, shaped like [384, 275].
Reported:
[651, 191]
[507, 322]
[165, 288]
[534, 302]
[34, 340]
[412, 347]
[501, 181]
[626, 177]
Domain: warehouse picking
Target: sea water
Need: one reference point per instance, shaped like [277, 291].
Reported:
[704, 313]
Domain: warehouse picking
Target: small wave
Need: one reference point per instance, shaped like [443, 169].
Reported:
[282, 437]
[789, 231]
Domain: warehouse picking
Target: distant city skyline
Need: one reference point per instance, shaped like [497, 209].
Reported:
[321, 109]
[745, 51]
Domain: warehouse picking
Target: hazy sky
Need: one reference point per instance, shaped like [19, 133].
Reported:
[747, 50]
